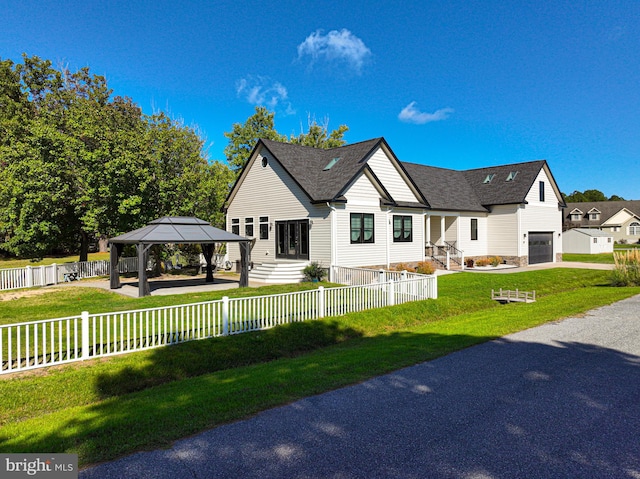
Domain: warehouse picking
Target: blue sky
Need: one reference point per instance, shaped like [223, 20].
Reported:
[456, 84]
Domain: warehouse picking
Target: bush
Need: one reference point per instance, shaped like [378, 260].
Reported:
[314, 271]
[404, 267]
[495, 261]
[469, 262]
[425, 267]
[482, 262]
[627, 268]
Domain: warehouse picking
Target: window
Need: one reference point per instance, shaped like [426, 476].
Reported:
[488, 178]
[248, 226]
[402, 229]
[362, 228]
[264, 227]
[634, 228]
[609, 240]
[512, 176]
[595, 240]
[541, 186]
[474, 229]
[265, 162]
[594, 216]
[235, 226]
[575, 216]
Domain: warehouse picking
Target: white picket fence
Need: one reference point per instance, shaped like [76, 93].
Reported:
[38, 344]
[29, 276]
[361, 276]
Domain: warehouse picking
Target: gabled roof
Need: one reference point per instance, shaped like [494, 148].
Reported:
[324, 175]
[499, 191]
[306, 165]
[607, 209]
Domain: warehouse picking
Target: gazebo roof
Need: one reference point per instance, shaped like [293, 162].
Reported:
[177, 229]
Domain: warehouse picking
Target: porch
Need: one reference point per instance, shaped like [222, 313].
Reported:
[442, 236]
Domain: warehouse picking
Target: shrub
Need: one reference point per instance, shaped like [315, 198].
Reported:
[425, 267]
[314, 271]
[495, 261]
[469, 262]
[627, 268]
[482, 262]
[404, 267]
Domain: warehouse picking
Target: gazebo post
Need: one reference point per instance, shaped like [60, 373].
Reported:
[114, 273]
[143, 284]
[244, 264]
[207, 251]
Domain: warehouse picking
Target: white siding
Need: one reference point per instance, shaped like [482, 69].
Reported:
[270, 191]
[503, 238]
[466, 244]
[407, 252]
[360, 254]
[390, 177]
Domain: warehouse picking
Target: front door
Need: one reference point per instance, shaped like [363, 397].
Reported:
[292, 239]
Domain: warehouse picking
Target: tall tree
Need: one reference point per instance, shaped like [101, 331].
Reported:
[589, 195]
[76, 163]
[261, 125]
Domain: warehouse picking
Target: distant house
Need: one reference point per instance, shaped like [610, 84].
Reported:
[358, 205]
[587, 241]
[621, 219]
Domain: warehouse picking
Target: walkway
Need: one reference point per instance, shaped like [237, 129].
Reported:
[556, 401]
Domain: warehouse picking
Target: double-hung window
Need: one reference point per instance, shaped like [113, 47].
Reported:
[264, 227]
[402, 229]
[248, 227]
[362, 228]
[235, 226]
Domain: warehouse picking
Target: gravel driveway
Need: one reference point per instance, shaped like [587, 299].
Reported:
[558, 401]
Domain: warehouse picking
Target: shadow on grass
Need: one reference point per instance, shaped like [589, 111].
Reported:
[196, 358]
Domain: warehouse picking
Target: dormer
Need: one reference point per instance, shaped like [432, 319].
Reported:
[489, 177]
[576, 214]
[593, 214]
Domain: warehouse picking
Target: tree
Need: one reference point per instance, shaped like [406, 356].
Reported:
[589, 195]
[261, 125]
[77, 163]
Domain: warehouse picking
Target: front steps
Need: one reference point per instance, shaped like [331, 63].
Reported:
[278, 273]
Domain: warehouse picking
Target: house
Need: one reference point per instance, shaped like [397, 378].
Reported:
[621, 219]
[586, 241]
[358, 205]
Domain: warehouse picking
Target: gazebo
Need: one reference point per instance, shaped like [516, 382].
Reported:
[178, 230]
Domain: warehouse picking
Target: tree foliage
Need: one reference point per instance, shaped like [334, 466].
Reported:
[589, 195]
[77, 163]
[261, 125]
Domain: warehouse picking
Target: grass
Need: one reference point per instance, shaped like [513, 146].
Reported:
[6, 263]
[107, 408]
[601, 258]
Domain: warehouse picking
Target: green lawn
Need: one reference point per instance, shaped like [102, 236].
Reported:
[21, 263]
[107, 408]
[602, 258]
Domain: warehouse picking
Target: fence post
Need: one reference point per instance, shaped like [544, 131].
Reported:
[381, 276]
[43, 275]
[391, 296]
[55, 273]
[85, 334]
[321, 303]
[29, 277]
[225, 315]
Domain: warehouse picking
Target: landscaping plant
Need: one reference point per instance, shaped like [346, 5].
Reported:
[627, 268]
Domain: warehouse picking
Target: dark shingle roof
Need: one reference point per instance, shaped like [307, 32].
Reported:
[441, 188]
[306, 165]
[444, 189]
[499, 191]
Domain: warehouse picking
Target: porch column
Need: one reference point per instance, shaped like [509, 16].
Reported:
[427, 234]
[443, 227]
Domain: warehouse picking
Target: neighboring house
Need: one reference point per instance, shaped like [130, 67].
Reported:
[358, 205]
[621, 219]
[586, 241]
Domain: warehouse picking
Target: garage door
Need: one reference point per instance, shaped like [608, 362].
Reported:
[540, 248]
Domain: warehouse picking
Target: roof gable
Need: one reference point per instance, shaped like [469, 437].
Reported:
[608, 210]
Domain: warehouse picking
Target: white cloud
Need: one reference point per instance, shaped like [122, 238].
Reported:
[410, 114]
[335, 46]
[259, 90]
